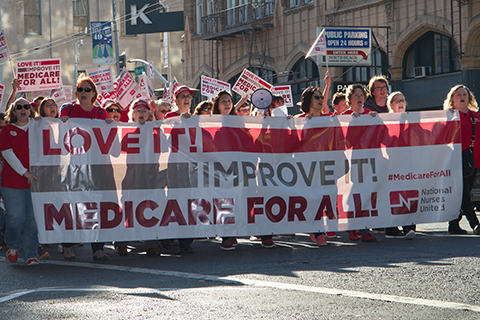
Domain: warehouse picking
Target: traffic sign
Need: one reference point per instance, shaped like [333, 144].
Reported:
[139, 70]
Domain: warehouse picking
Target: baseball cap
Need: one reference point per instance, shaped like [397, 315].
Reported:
[140, 102]
[182, 89]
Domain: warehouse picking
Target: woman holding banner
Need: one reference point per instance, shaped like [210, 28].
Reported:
[20, 226]
[463, 100]
[48, 108]
[86, 93]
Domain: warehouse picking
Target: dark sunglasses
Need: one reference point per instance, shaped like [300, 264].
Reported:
[318, 97]
[25, 106]
[113, 110]
[81, 89]
[207, 109]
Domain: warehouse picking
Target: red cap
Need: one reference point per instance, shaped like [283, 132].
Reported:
[182, 89]
[140, 103]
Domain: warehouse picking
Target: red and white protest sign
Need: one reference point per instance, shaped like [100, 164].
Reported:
[127, 89]
[167, 93]
[2, 93]
[237, 176]
[248, 82]
[4, 55]
[319, 47]
[37, 75]
[147, 86]
[286, 93]
[104, 81]
[210, 87]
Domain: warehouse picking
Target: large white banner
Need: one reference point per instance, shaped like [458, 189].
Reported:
[238, 176]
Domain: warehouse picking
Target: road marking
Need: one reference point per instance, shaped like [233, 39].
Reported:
[248, 282]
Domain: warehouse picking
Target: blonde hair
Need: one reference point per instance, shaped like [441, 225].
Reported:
[448, 103]
[390, 98]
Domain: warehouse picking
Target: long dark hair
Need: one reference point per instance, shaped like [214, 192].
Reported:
[216, 103]
[307, 95]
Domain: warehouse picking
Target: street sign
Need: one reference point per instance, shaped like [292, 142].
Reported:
[139, 70]
[348, 46]
[145, 17]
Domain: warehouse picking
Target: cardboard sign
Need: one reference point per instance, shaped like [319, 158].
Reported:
[127, 89]
[286, 93]
[37, 75]
[104, 81]
[4, 55]
[210, 86]
[319, 47]
[248, 82]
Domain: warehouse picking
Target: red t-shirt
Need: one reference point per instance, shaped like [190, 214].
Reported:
[16, 139]
[365, 111]
[304, 115]
[78, 112]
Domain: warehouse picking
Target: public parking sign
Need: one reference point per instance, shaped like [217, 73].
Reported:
[348, 46]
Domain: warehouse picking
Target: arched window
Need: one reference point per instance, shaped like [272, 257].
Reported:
[431, 54]
[304, 73]
[363, 74]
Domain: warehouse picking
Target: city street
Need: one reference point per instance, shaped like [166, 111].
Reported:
[434, 276]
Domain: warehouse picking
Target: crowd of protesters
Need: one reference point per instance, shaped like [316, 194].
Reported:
[17, 222]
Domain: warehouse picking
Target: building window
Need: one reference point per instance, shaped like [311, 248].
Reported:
[304, 73]
[363, 74]
[81, 19]
[430, 54]
[294, 3]
[32, 17]
[231, 12]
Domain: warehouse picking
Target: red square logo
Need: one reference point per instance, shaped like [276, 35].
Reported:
[404, 202]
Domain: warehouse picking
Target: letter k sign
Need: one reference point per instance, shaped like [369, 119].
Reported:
[139, 14]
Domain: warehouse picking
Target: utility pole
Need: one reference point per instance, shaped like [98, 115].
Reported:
[115, 35]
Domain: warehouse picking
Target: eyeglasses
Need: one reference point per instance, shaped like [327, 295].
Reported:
[140, 111]
[25, 106]
[113, 110]
[318, 97]
[384, 88]
[244, 110]
[86, 89]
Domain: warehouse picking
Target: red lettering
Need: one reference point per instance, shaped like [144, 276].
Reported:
[156, 140]
[293, 210]
[51, 213]
[174, 133]
[223, 211]
[126, 140]
[251, 210]
[340, 213]
[359, 213]
[47, 150]
[87, 141]
[325, 209]
[140, 213]
[107, 145]
[106, 223]
[173, 208]
[282, 209]
[195, 213]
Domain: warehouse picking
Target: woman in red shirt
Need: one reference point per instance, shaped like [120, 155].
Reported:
[20, 226]
[462, 99]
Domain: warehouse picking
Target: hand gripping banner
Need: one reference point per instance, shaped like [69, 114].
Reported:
[238, 176]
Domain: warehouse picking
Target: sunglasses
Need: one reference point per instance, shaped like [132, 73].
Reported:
[318, 97]
[113, 110]
[19, 107]
[81, 89]
[207, 109]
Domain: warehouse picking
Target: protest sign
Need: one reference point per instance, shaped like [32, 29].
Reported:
[238, 176]
[4, 55]
[104, 81]
[210, 87]
[248, 82]
[102, 42]
[147, 86]
[2, 93]
[127, 89]
[37, 75]
[319, 47]
[286, 93]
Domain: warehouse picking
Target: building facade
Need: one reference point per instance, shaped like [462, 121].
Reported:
[423, 47]
[46, 29]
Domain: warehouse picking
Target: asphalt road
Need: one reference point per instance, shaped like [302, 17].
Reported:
[434, 276]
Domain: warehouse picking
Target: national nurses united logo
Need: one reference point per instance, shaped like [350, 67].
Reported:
[404, 202]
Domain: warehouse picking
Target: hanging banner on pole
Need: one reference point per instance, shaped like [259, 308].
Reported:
[102, 42]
